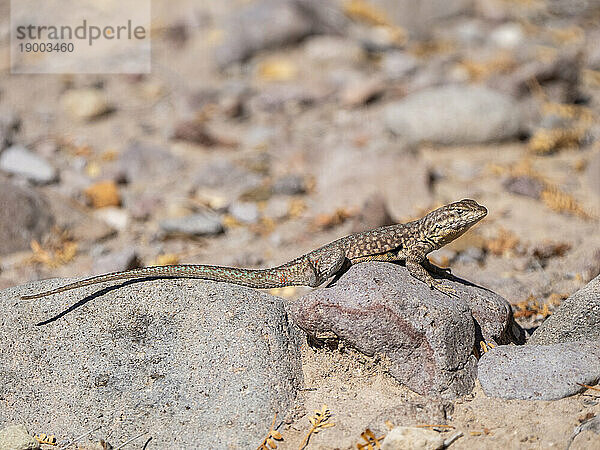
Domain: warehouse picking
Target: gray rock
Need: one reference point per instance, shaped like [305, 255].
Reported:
[24, 216]
[197, 364]
[454, 115]
[577, 318]
[408, 438]
[222, 173]
[17, 160]
[141, 162]
[428, 337]
[524, 185]
[199, 224]
[16, 437]
[539, 372]
[282, 22]
[245, 212]
[290, 185]
[397, 65]
[373, 214]
[116, 261]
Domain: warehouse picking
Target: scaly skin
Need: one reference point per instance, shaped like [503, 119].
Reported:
[410, 242]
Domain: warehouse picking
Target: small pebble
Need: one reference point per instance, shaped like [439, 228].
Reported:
[244, 212]
[199, 224]
[17, 160]
[290, 185]
[103, 194]
[115, 217]
[85, 104]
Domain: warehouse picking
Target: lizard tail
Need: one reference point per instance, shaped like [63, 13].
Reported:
[255, 278]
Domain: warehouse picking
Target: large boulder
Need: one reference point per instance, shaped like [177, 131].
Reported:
[196, 364]
[428, 337]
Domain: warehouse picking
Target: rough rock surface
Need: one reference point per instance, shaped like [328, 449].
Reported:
[24, 216]
[454, 115]
[16, 437]
[379, 308]
[197, 364]
[539, 372]
[577, 318]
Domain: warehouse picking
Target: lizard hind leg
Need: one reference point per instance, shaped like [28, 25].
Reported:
[326, 263]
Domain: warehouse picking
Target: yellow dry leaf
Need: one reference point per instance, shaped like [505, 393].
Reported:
[277, 69]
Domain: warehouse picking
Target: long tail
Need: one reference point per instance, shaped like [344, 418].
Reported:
[255, 278]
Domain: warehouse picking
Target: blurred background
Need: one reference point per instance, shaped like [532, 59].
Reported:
[267, 128]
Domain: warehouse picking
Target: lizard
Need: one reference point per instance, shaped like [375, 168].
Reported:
[410, 242]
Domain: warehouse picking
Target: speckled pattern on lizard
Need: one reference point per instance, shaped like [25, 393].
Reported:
[410, 242]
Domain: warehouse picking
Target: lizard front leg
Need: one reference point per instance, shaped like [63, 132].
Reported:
[414, 264]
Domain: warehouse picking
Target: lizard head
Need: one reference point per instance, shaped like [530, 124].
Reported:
[448, 222]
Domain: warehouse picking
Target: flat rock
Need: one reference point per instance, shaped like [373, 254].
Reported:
[539, 372]
[24, 216]
[428, 337]
[454, 115]
[197, 364]
[199, 224]
[116, 261]
[577, 318]
[17, 160]
[141, 162]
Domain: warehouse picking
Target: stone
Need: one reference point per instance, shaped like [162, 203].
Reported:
[539, 372]
[116, 261]
[195, 131]
[103, 194]
[85, 103]
[282, 22]
[199, 224]
[576, 319]
[524, 185]
[17, 160]
[24, 216]
[222, 173]
[454, 115]
[412, 438]
[141, 162]
[397, 64]
[245, 212]
[428, 337]
[277, 208]
[333, 50]
[290, 185]
[200, 364]
[114, 217]
[16, 437]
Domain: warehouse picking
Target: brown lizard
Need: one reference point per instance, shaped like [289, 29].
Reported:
[409, 242]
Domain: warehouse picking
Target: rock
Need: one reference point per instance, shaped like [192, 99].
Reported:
[245, 212]
[17, 160]
[362, 91]
[454, 115]
[16, 437]
[195, 131]
[524, 185]
[116, 261]
[397, 64]
[591, 427]
[290, 185]
[576, 319]
[103, 194]
[428, 337]
[85, 103]
[277, 208]
[203, 223]
[508, 35]
[282, 23]
[539, 372]
[412, 438]
[222, 173]
[373, 214]
[114, 217]
[9, 125]
[201, 364]
[24, 216]
[333, 50]
[141, 162]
